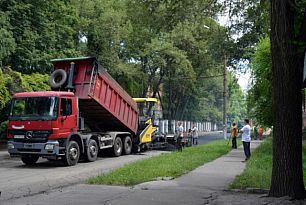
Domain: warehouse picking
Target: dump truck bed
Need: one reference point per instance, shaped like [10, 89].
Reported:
[103, 103]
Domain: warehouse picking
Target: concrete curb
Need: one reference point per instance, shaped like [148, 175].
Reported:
[249, 191]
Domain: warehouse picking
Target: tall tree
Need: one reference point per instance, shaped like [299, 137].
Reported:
[7, 45]
[288, 37]
[180, 44]
[107, 29]
[42, 30]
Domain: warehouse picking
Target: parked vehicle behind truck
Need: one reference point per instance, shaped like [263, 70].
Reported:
[85, 111]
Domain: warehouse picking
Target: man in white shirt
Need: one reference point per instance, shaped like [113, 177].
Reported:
[195, 134]
[246, 139]
[180, 132]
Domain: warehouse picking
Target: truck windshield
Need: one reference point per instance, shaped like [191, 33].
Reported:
[34, 108]
[146, 109]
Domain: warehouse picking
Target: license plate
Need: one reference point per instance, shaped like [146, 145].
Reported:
[19, 136]
[27, 145]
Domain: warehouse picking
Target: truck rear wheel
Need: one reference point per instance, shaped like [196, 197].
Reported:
[136, 149]
[92, 150]
[72, 155]
[117, 148]
[29, 159]
[127, 145]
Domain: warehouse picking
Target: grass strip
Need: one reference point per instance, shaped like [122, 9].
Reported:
[258, 171]
[172, 164]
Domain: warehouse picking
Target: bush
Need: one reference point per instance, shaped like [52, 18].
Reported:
[12, 82]
[3, 128]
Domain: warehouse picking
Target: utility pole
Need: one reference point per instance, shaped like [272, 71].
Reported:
[224, 99]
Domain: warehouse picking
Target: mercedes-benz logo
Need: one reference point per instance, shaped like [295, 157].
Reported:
[29, 134]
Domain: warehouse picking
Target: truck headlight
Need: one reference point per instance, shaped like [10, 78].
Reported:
[10, 145]
[49, 146]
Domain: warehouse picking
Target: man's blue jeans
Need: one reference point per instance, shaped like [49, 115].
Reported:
[247, 151]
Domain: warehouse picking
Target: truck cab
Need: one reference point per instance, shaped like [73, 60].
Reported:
[40, 123]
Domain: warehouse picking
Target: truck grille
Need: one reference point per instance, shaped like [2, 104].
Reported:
[28, 150]
[30, 135]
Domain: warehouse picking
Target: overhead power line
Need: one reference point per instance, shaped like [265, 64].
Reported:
[200, 77]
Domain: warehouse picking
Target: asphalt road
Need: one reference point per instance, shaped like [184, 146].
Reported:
[18, 180]
[211, 136]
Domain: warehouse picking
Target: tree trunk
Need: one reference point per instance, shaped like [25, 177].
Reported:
[287, 173]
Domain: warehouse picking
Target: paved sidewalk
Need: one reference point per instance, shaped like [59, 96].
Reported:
[204, 185]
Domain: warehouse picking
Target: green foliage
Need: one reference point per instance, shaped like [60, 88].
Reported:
[211, 100]
[3, 129]
[106, 31]
[237, 107]
[3, 126]
[260, 95]
[166, 165]
[4, 93]
[36, 82]
[165, 61]
[249, 19]
[12, 82]
[201, 96]
[130, 78]
[42, 30]
[7, 45]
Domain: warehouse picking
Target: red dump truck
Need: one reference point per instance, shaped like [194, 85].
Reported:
[86, 111]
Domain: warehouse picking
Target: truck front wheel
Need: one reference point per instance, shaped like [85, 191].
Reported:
[91, 151]
[127, 145]
[117, 147]
[72, 155]
[29, 159]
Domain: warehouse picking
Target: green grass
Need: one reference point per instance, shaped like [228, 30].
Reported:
[172, 164]
[258, 171]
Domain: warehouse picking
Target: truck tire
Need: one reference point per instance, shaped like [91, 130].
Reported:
[92, 150]
[72, 155]
[117, 148]
[136, 149]
[127, 145]
[57, 78]
[29, 159]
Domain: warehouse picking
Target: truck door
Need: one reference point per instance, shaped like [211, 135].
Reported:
[68, 116]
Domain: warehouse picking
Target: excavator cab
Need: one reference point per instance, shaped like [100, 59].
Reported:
[146, 127]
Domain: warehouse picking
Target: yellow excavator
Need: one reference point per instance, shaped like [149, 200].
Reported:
[146, 128]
